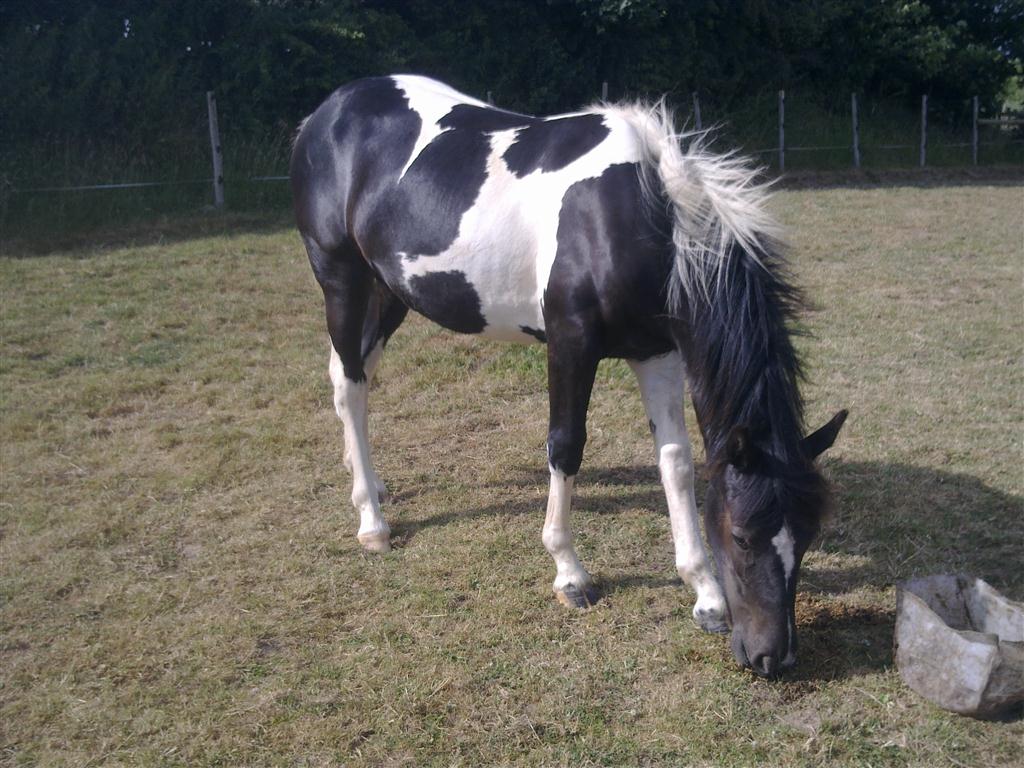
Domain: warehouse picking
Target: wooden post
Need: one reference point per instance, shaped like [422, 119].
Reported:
[604, 91]
[856, 131]
[489, 100]
[974, 131]
[218, 159]
[782, 131]
[924, 129]
[696, 112]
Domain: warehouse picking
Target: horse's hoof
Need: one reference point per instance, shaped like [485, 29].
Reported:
[710, 621]
[572, 596]
[376, 542]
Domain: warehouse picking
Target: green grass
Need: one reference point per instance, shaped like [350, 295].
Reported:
[181, 584]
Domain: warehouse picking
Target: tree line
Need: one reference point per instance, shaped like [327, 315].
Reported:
[134, 71]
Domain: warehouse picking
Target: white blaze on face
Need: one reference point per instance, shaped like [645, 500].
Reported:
[790, 659]
[784, 547]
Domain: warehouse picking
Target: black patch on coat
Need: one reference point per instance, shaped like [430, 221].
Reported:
[384, 313]
[448, 299]
[347, 173]
[611, 268]
[549, 145]
[537, 333]
[467, 117]
[349, 150]
[438, 188]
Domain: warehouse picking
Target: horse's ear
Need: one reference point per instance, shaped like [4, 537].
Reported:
[740, 449]
[821, 440]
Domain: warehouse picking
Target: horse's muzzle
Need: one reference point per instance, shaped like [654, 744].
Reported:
[767, 665]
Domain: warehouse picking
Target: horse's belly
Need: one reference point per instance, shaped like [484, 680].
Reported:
[482, 285]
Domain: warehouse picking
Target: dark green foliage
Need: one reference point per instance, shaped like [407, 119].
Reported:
[113, 90]
[134, 70]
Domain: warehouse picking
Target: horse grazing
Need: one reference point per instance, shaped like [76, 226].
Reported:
[597, 234]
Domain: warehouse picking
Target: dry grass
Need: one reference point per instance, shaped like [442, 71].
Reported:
[181, 583]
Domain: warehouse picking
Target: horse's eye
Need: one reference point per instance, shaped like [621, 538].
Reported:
[741, 542]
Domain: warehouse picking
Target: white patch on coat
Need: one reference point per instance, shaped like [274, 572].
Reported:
[431, 100]
[350, 402]
[495, 250]
[784, 547]
[507, 240]
[544, 190]
[557, 534]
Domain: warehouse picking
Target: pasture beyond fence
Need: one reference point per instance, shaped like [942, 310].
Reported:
[775, 156]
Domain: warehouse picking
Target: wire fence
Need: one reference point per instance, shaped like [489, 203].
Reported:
[776, 154]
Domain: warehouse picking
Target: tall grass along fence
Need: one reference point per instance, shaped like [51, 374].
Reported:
[64, 186]
[888, 144]
[247, 156]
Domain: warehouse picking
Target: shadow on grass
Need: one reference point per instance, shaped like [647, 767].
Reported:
[903, 520]
[601, 490]
[404, 531]
[893, 521]
[532, 510]
[838, 641]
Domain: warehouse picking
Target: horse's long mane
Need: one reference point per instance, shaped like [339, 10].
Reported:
[742, 365]
[730, 288]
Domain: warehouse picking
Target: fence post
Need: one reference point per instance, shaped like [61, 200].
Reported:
[856, 131]
[218, 160]
[924, 128]
[696, 111]
[489, 101]
[974, 131]
[782, 131]
[604, 91]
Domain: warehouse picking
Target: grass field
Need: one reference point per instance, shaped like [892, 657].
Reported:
[181, 584]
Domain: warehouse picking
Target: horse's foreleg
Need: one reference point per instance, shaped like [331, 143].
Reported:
[570, 381]
[661, 387]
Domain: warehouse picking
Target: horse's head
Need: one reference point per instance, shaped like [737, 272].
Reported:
[761, 515]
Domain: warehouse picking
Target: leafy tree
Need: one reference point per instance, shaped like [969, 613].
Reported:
[134, 71]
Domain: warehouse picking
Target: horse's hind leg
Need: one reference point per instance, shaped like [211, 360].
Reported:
[383, 316]
[661, 386]
[357, 334]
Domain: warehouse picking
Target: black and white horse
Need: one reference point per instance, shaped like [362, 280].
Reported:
[597, 234]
